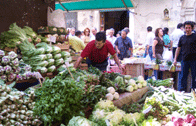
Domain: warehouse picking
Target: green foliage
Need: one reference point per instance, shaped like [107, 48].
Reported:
[132, 108]
[58, 100]
[94, 70]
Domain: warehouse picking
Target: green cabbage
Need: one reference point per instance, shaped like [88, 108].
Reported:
[57, 56]
[49, 56]
[51, 68]
[39, 51]
[59, 62]
[55, 50]
[65, 54]
[50, 62]
[41, 64]
[38, 58]
[80, 121]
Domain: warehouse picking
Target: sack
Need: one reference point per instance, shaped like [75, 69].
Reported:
[167, 55]
[148, 59]
[56, 18]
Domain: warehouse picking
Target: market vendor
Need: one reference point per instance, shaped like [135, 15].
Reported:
[97, 52]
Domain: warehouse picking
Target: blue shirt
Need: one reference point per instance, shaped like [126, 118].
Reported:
[166, 39]
[123, 46]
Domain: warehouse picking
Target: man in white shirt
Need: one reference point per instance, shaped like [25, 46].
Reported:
[149, 41]
[111, 36]
[175, 36]
[72, 32]
[94, 32]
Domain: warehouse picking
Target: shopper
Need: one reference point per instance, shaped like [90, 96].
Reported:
[187, 44]
[94, 32]
[149, 42]
[72, 32]
[76, 43]
[111, 36]
[175, 37]
[86, 37]
[118, 34]
[97, 51]
[157, 49]
[166, 39]
[124, 46]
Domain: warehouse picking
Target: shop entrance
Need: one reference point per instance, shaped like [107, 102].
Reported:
[115, 19]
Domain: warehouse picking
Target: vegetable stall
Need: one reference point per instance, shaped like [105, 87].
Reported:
[75, 97]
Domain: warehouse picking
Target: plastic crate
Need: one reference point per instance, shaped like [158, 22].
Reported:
[135, 70]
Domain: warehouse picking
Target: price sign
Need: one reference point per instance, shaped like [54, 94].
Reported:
[53, 39]
[147, 110]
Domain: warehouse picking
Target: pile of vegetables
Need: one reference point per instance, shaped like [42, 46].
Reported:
[16, 35]
[166, 82]
[52, 30]
[16, 108]
[44, 57]
[12, 69]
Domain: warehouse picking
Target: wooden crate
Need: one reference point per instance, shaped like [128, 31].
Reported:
[10, 49]
[135, 69]
[84, 66]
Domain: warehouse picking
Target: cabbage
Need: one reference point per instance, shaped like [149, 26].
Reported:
[39, 51]
[59, 62]
[41, 64]
[7, 69]
[50, 62]
[65, 54]
[80, 121]
[49, 56]
[55, 50]
[1, 70]
[48, 49]
[12, 55]
[69, 59]
[15, 62]
[43, 70]
[57, 56]
[2, 53]
[4, 77]
[19, 77]
[5, 60]
[38, 58]
[51, 68]
[11, 77]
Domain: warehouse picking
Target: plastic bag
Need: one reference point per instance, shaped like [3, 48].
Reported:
[56, 18]
[167, 55]
[148, 59]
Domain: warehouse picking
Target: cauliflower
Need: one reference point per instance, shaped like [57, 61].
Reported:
[99, 114]
[131, 82]
[109, 96]
[129, 88]
[144, 84]
[116, 95]
[116, 117]
[135, 87]
[139, 85]
[107, 105]
[140, 78]
[111, 90]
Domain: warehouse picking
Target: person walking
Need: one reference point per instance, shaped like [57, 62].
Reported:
[97, 52]
[111, 36]
[123, 45]
[157, 49]
[175, 37]
[86, 37]
[187, 44]
[149, 42]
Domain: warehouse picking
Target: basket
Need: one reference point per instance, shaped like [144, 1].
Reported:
[135, 70]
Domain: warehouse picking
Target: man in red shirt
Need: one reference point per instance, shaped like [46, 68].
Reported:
[97, 51]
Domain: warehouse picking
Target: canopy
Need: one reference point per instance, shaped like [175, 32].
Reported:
[94, 4]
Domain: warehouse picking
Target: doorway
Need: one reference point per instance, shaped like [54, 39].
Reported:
[116, 19]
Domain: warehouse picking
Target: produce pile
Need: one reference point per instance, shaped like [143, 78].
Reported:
[16, 108]
[43, 57]
[16, 35]
[52, 30]
[12, 69]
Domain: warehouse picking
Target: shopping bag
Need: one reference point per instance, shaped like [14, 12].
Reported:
[56, 18]
[148, 59]
[167, 55]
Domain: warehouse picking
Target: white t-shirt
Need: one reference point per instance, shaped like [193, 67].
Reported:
[92, 37]
[111, 39]
[175, 36]
[150, 38]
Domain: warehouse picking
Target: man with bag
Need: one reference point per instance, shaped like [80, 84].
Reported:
[187, 45]
[124, 46]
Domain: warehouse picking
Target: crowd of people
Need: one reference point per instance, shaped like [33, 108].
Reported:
[181, 42]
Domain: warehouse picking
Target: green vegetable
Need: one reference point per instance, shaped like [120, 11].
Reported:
[50, 62]
[55, 50]
[51, 68]
[80, 121]
[58, 100]
[29, 31]
[39, 51]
